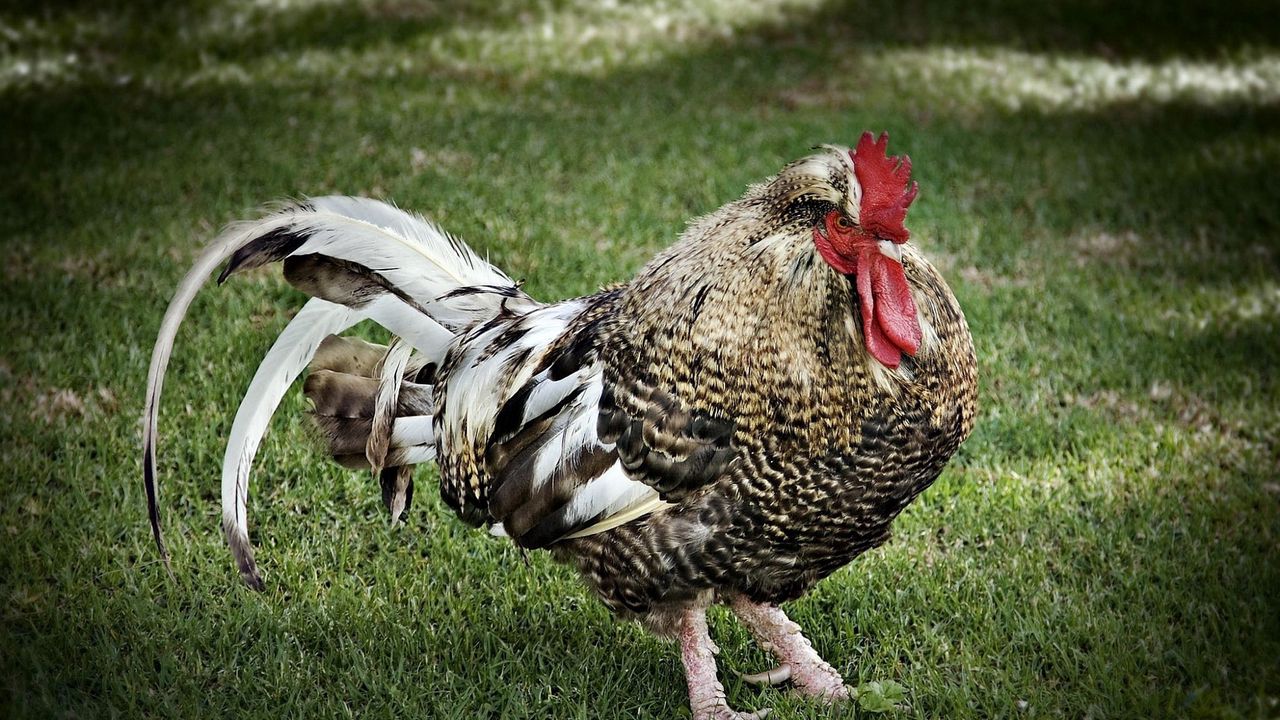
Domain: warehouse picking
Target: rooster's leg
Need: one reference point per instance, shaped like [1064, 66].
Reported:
[801, 664]
[697, 651]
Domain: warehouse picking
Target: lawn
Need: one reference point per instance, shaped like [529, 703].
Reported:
[1098, 183]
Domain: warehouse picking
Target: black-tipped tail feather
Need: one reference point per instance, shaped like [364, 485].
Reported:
[361, 259]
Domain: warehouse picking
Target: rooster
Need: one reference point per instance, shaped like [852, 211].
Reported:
[746, 416]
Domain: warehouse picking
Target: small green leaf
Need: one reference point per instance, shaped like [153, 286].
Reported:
[879, 697]
[893, 691]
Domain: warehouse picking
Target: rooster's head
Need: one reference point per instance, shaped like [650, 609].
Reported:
[854, 202]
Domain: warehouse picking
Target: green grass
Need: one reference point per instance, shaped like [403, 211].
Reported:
[1098, 183]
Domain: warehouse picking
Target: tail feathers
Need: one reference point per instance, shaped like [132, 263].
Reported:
[349, 355]
[348, 437]
[397, 489]
[342, 396]
[353, 250]
[390, 379]
[350, 409]
[383, 422]
[218, 252]
[294, 348]
[397, 457]
[360, 259]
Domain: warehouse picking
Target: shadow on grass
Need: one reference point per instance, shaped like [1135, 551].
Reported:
[128, 34]
[1138, 158]
[154, 30]
[1146, 29]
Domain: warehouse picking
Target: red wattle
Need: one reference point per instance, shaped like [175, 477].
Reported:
[890, 325]
[882, 348]
[895, 308]
[877, 344]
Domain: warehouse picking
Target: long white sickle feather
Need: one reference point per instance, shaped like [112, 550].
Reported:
[283, 363]
[213, 256]
[286, 359]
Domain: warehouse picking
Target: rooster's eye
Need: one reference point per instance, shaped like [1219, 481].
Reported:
[843, 223]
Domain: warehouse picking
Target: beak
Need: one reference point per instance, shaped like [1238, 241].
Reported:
[891, 250]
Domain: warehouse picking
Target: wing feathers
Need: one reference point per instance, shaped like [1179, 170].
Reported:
[573, 484]
[661, 442]
[548, 472]
[611, 491]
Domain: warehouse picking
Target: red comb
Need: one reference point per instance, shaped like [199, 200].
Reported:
[887, 189]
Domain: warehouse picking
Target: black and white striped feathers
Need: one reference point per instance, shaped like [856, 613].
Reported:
[517, 402]
[470, 340]
[518, 427]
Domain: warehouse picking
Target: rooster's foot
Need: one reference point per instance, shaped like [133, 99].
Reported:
[811, 675]
[706, 694]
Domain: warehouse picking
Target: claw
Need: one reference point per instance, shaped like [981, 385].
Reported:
[776, 676]
[812, 676]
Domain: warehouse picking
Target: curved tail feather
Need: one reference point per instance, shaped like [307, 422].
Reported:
[218, 252]
[359, 259]
[283, 363]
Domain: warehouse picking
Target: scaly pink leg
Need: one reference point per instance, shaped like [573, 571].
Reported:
[706, 694]
[801, 664]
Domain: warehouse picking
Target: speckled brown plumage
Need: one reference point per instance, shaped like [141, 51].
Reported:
[825, 454]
